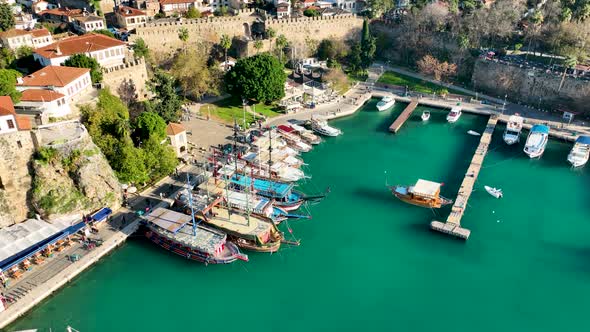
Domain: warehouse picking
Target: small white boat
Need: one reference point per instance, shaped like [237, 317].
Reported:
[307, 135]
[473, 133]
[425, 116]
[386, 103]
[454, 114]
[536, 141]
[321, 127]
[494, 191]
[513, 128]
[580, 152]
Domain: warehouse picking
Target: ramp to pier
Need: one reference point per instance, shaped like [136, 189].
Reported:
[453, 224]
[401, 119]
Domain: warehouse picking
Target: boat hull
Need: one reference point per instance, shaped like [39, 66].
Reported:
[425, 117]
[248, 245]
[433, 204]
[384, 106]
[510, 140]
[180, 250]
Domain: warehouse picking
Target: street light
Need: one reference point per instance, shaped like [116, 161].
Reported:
[504, 104]
[244, 103]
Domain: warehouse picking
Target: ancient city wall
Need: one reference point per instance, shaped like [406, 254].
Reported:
[163, 36]
[534, 87]
[128, 80]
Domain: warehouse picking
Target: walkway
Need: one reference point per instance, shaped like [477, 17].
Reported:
[453, 224]
[401, 119]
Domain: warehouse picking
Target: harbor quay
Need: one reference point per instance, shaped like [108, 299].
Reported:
[41, 282]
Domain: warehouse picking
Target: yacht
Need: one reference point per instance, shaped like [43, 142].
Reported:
[454, 114]
[579, 154]
[536, 141]
[513, 128]
[386, 103]
[306, 134]
[425, 116]
[321, 127]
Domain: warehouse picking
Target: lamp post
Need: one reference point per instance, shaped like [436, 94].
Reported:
[244, 102]
[504, 104]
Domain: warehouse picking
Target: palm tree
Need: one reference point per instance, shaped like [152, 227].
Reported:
[225, 43]
[569, 62]
[258, 45]
[271, 33]
[281, 43]
[183, 35]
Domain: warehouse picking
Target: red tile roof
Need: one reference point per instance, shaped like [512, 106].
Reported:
[6, 106]
[53, 76]
[23, 122]
[79, 44]
[174, 129]
[128, 11]
[62, 11]
[40, 33]
[167, 2]
[14, 33]
[40, 95]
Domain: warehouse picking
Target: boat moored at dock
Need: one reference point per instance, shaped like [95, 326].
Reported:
[285, 197]
[386, 103]
[171, 231]
[580, 152]
[306, 134]
[424, 193]
[513, 128]
[321, 127]
[537, 141]
[454, 114]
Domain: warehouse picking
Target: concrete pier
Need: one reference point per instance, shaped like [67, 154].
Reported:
[453, 224]
[403, 117]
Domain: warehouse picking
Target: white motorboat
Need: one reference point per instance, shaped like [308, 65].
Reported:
[425, 116]
[321, 127]
[580, 152]
[454, 114]
[473, 133]
[494, 191]
[513, 128]
[536, 141]
[287, 173]
[386, 103]
[307, 135]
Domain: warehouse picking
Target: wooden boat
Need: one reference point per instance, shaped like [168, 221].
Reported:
[424, 193]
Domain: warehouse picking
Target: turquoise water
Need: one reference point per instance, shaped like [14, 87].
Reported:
[368, 261]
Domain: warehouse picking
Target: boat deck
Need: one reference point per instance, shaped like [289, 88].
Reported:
[453, 224]
[238, 224]
[403, 117]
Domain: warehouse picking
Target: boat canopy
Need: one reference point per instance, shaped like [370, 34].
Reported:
[276, 189]
[425, 188]
[286, 128]
[516, 119]
[540, 129]
[583, 140]
[169, 220]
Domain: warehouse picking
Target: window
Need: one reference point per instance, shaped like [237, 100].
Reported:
[19, 144]
[112, 52]
[10, 124]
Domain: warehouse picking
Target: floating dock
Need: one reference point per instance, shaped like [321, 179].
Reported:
[453, 224]
[401, 119]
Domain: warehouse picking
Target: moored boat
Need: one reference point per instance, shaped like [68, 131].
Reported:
[580, 152]
[424, 193]
[283, 193]
[171, 231]
[494, 191]
[321, 127]
[454, 114]
[306, 134]
[293, 139]
[385, 103]
[513, 128]
[425, 116]
[537, 141]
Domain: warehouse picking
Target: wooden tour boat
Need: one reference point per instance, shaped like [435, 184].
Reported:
[424, 193]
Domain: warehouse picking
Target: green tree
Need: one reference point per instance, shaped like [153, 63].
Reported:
[8, 84]
[271, 34]
[24, 51]
[195, 77]
[311, 13]
[331, 49]
[149, 124]
[378, 7]
[6, 57]
[258, 45]
[84, 61]
[105, 32]
[222, 11]
[355, 61]
[166, 101]
[260, 78]
[129, 164]
[6, 17]
[368, 46]
[183, 34]
[159, 159]
[140, 49]
[281, 44]
[192, 13]
[225, 43]
[568, 63]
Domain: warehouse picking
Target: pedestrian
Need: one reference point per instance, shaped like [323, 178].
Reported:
[160, 195]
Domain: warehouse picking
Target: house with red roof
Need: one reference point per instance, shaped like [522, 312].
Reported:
[109, 52]
[67, 81]
[171, 7]
[16, 38]
[42, 104]
[9, 121]
[129, 18]
[177, 136]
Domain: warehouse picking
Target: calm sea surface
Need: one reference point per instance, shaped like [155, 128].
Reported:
[369, 262]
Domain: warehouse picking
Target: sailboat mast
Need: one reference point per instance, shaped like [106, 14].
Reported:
[190, 202]
[269, 151]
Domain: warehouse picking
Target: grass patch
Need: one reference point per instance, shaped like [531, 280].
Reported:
[413, 84]
[227, 110]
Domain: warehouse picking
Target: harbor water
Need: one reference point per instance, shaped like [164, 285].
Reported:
[368, 261]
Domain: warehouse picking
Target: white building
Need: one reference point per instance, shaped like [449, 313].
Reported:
[9, 120]
[129, 18]
[24, 21]
[43, 104]
[41, 37]
[88, 23]
[171, 7]
[283, 9]
[177, 136]
[109, 52]
[68, 81]
[15, 38]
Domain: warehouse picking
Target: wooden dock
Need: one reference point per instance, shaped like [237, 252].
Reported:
[453, 224]
[401, 119]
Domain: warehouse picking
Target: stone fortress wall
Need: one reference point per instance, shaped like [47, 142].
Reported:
[129, 78]
[163, 36]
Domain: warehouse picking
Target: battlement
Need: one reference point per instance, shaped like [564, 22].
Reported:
[129, 63]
